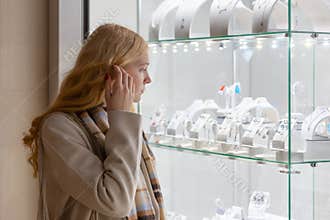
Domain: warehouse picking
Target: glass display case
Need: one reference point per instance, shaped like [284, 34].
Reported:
[238, 112]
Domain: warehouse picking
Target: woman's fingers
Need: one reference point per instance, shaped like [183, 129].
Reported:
[133, 88]
[130, 84]
[108, 83]
[122, 88]
[125, 80]
[118, 76]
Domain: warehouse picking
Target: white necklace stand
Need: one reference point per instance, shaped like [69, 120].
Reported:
[163, 20]
[272, 15]
[192, 19]
[229, 17]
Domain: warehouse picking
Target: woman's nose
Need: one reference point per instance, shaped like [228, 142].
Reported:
[147, 79]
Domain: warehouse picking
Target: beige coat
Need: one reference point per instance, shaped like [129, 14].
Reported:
[75, 183]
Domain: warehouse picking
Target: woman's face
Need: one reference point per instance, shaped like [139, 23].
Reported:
[138, 70]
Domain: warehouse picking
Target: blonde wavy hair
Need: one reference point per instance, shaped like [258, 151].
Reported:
[84, 86]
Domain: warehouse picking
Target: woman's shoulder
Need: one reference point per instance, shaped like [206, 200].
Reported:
[60, 122]
[55, 119]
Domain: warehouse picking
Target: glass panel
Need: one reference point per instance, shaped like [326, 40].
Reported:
[309, 15]
[200, 187]
[302, 192]
[310, 192]
[218, 153]
[200, 91]
[321, 192]
[310, 104]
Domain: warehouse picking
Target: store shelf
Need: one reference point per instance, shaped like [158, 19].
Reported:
[215, 153]
[312, 33]
[274, 35]
[241, 153]
[225, 37]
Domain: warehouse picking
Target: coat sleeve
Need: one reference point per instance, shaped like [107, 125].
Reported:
[107, 186]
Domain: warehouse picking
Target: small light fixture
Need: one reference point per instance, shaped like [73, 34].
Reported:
[274, 44]
[221, 46]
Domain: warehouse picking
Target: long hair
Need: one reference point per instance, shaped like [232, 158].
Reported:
[84, 85]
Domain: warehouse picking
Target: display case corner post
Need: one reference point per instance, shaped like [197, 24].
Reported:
[85, 18]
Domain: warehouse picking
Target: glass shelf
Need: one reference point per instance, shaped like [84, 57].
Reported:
[209, 153]
[225, 37]
[279, 34]
[240, 153]
[311, 32]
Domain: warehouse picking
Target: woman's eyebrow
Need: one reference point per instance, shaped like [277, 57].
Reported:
[143, 64]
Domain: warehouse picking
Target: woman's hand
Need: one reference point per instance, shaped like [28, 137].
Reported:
[119, 90]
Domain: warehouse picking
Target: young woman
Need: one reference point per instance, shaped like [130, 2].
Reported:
[88, 148]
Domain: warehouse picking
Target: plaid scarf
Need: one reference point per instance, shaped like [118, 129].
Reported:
[95, 121]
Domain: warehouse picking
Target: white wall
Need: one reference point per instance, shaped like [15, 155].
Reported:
[66, 35]
[121, 12]
[23, 96]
